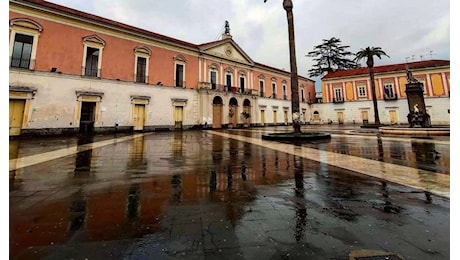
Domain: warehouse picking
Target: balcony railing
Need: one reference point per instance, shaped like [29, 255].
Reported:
[390, 98]
[90, 72]
[179, 83]
[274, 95]
[22, 63]
[141, 78]
[226, 88]
[285, 97]
[337, 100]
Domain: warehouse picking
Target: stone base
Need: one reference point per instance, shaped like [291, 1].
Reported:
[418, 132]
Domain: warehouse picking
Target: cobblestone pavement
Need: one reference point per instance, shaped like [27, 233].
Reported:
[228, 194]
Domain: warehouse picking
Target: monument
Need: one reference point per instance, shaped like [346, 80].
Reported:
[417, 116]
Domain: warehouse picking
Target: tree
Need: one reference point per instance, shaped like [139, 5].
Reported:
[369, 54]
[330, 56]
[287, 5]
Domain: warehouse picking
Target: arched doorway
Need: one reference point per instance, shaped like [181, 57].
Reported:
[233, 112]
[246, 115]
[217, 105]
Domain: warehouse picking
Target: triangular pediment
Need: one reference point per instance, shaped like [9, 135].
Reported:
[226, 49]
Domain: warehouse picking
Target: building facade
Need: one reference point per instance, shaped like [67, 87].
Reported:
[347, 96]
[72, 71]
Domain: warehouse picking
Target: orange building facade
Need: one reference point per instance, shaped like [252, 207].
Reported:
[347, 96]
[72, 71]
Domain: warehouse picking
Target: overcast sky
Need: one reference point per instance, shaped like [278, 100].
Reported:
[405, 30]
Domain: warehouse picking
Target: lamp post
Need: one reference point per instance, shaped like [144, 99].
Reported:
[287, 5]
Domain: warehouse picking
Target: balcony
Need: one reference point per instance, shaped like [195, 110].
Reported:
[337, 100]
[274, 95]
[393, 97]
[226, 88]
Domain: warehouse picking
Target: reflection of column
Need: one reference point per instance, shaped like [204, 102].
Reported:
[77, 211]
[133, 202]
[83, 160]
[243, 171]
[213, 181]
[229, 177]
[176, 188]
[301, 210]
[380, 147]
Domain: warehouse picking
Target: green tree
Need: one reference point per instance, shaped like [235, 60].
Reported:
[287, 5]
[369, 54]
[330, 56]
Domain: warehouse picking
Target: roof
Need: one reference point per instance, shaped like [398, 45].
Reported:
[94, 18]
[388, 68]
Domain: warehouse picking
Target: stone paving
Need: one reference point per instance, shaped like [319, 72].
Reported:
[229, 195]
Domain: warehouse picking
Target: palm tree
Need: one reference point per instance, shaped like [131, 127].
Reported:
[369, 54]
[287, 5]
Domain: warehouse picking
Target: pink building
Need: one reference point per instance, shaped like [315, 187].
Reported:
[72, 71]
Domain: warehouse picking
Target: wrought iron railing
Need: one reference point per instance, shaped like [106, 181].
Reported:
[390, 97]
[337, 100]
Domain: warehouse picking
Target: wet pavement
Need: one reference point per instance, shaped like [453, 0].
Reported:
[228, 195]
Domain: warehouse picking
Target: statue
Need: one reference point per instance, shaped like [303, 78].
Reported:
[416, 108]
[410, 77]
[227, 28]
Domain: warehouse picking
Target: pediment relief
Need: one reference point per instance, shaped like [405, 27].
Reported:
[227, 50]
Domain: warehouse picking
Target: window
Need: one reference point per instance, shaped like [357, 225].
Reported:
[362, 91]
[273, 90]
[179, 75]
[262, 88]
[388, 91]
[92, 60]
[141, 67]
[242, 83]
[22, 50]
[228, 81]
[92, 55]
[213, 77]
[179, 71]
[338, 97]
[285, 92]
[23, 42]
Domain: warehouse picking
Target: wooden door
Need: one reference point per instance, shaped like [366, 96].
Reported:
[275, 115]
[16, 116]
[393, 117]
[365, 117]
[262, 117]
[178, 116]
[139, 117]
[217, 116]
[285, 117]
[340, 117]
